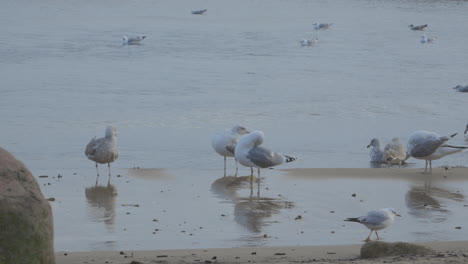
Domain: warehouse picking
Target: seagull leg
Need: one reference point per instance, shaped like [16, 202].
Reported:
[430, 166]
[368, 238]
[258, 183]
[224, 166]
[237, 168]
[378, 238]
[97, 177]
[108, 181]
[425, 168]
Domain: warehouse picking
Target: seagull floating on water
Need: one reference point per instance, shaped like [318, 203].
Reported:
[103, 150]
[376, 220]
[460, 88]
[132, 41]
[429, 146]
[323, 26]
[394, 152]
[309, 42]
[376, 153]
[224, 143]
[425, 39]
[199, 12]
[421, 27]
[249, 153]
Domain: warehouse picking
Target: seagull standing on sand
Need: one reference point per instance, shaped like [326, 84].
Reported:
[429, 146]
[250, 154]
[394, 152]
[460, 88]
[421, 27]
[132, 41]
[322, 26]
[376, 220]
[224, 143]
[376, 154]
[103, 150]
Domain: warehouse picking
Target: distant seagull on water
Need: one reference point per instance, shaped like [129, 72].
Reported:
[224, 143]
[425, 39]
[322, 26]
[132, 41]
[460, 88]
[199, 12]
[309, 42]
[103, 150]
[376, 220]
[429, 146]
[250, 154]
[421, 27]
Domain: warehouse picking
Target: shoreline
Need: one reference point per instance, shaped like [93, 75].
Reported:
[454, 251]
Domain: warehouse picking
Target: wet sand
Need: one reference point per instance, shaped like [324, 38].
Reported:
[447, 252]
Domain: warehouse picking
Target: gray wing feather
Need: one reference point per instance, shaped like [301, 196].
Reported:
[427, 148]
[264, 158]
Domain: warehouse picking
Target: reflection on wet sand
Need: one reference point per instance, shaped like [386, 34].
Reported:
[252, 211]
[101, 200]
[422, 202]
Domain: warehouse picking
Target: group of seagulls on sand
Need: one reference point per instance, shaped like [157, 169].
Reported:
[245, 147]
[423, 145]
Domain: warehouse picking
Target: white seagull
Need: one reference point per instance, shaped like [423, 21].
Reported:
[429, 146]
[309, 42]
[250, 154]
[394, 152]
[425, 39]
[460, 88]
[376, 220]
[132, 41]
[376, 154]
[322, 26]
[103, 150]
[224, 143]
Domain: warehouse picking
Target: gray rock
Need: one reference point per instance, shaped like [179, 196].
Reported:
[26, 228]
[378, 249]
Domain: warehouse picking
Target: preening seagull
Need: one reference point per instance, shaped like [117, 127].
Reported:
[323, 26]
[421, 27]
[250, 154]
[460, 88]
[429, 146]
[132, 41]
[309, 42]
[394, 152]
[103, 150]
[224, 143]
[376, 220]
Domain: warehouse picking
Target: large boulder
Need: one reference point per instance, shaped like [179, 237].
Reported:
[378, 249]
[26, 228]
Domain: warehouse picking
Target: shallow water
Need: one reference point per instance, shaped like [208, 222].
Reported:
[65, 76]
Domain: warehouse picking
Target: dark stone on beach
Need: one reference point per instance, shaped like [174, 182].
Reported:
[378, 249]
[26, 233]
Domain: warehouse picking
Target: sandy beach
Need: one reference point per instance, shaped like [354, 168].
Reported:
[447, 252]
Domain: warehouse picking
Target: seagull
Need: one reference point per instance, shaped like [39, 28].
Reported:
[429, 146]
[394, 152]
[376, 154]
[199, 12]
[421, 27]
[249, 153]
[132, 41]
[103, 150]
[460, 88]
[376, 220]
[425, 39]
[224, 143]
[323, 26]
[307, 42]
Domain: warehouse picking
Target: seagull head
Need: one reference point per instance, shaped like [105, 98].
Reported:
[374, 143]
[393, 212]
[457, 87]
[240, 130]
[110, 132]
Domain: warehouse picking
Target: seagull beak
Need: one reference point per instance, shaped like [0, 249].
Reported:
[368, 146]
[398, 215]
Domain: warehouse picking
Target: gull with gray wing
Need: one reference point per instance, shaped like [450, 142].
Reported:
[224, 143]
[376, 220]
[103, 150]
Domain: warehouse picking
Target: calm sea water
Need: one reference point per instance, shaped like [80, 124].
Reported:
[65, 76]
